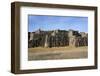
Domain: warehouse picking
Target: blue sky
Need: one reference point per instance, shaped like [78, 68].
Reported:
[44, 22]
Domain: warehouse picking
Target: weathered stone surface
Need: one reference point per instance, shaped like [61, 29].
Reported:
[46, 44]
[57, 38]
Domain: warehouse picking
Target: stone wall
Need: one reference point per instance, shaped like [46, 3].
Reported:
[57, 38]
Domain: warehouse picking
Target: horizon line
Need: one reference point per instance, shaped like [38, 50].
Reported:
[57, 29]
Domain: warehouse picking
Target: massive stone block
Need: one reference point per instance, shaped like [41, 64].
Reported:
[31, 36]
[72, 41]
[46, 44]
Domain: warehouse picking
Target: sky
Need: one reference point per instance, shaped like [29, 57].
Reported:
[46, 23]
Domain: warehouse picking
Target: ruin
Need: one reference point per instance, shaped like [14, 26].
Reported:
[57, 38]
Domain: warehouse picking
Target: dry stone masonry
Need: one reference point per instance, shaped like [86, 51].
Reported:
[57, 38]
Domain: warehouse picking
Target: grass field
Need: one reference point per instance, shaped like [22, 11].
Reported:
[41, 53]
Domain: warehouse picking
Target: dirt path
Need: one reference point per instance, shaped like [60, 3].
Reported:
[57, 53]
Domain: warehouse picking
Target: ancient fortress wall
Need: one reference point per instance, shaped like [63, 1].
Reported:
[57, 38]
